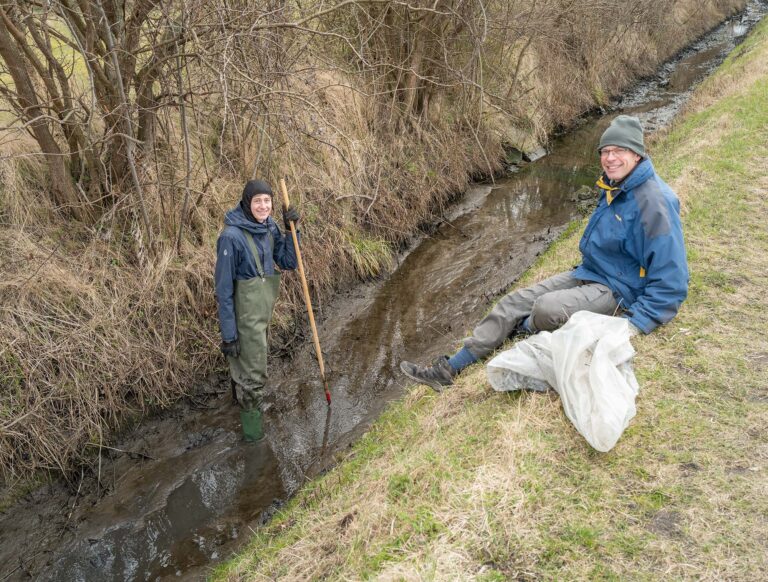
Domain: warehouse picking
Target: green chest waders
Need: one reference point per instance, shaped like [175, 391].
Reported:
[254, 302]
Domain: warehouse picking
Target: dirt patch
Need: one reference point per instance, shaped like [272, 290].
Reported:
[758, 360]
[689, 469]
[667, 523]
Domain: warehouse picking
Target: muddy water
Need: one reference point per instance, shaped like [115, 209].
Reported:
[429, 302]
[181, 492]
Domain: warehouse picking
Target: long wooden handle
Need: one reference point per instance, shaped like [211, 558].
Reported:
[307, 299]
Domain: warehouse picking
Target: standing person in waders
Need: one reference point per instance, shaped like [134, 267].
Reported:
[248, 249]
[633, 262]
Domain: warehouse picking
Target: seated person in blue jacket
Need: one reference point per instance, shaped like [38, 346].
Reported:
[633, 262]
[247, 252]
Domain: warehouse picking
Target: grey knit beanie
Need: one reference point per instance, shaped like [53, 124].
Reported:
[625, 131]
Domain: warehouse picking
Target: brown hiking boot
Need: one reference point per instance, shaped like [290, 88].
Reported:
[437, 376]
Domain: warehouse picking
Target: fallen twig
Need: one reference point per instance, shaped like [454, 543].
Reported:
[143, 455]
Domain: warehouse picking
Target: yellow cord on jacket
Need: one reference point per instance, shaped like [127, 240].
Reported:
[609, 190]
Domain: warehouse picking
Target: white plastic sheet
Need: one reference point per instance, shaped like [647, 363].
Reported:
[588, 362]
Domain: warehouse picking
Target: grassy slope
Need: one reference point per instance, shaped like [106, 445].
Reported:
[477, 485]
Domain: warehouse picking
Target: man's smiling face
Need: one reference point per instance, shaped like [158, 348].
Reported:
[618, 162]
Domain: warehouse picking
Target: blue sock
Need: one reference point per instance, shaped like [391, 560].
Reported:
[461, 359]
[526, 325]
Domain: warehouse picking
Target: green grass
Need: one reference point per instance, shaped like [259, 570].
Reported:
[472, 484]
[370, 256]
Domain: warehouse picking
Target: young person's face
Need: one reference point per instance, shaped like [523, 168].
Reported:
[618, 162]
[261, 207]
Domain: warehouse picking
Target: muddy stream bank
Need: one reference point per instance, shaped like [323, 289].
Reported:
[181, 491]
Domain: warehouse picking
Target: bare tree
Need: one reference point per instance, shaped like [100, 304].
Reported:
[35, 113]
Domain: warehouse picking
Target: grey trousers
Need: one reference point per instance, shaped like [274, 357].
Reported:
[549, 303]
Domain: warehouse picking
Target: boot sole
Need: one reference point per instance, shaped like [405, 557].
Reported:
[436, 386]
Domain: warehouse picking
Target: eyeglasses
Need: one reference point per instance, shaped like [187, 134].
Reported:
[617, 151]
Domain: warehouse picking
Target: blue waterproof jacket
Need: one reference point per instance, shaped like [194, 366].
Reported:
[235, 262]
[633, 243]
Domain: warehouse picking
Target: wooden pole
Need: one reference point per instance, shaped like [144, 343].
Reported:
[307, 299]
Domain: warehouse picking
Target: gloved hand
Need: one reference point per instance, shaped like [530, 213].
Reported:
[290, 214]
[231, 349]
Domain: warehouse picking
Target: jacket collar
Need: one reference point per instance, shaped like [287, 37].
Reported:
[236, 217]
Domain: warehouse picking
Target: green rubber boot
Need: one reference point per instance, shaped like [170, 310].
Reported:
[253, 430]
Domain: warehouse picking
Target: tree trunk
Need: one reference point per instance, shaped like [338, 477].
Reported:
[62, 188]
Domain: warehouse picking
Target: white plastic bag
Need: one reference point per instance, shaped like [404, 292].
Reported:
[588, 362]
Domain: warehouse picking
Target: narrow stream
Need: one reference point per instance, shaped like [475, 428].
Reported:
[181, 492]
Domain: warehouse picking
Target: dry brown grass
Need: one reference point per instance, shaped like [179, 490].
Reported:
[87, 343]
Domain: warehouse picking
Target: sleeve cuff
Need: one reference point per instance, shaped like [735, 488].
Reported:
[644, 324]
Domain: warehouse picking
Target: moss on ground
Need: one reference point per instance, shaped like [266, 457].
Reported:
[472, 484]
